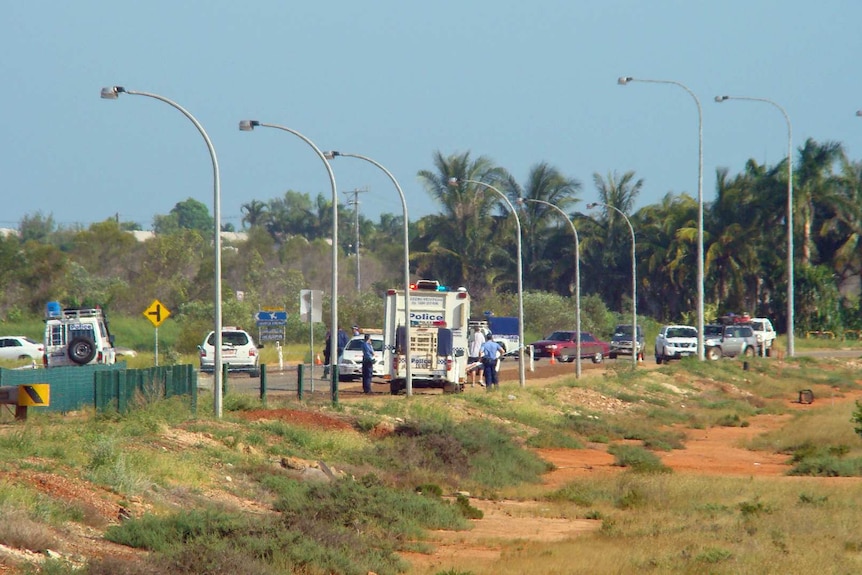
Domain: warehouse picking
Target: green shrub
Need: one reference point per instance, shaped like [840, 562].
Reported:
[637, 459]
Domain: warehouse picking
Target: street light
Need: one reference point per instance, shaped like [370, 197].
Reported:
[634, 282]
[112, 93]
[791, 348]
[623, 80]
[521, 374]
[407, 356]
[577, 282]
[248, 126]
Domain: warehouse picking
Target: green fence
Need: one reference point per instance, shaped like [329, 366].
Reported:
[106, 386]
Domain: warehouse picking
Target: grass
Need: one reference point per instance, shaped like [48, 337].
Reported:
[647, 519]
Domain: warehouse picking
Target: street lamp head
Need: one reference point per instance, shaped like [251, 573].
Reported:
[248, 125]
[454, 181]
[331, 154]
[592, 205]
[112, 92]
[623, 80]
[859, 112]
[722, 98]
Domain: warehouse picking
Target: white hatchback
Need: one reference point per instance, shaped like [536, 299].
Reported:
[350, 362]
[238, 352]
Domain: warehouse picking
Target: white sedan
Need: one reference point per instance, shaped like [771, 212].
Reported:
[350, 362]
[19, 347]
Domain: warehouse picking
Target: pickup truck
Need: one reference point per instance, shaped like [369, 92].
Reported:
[765, 334]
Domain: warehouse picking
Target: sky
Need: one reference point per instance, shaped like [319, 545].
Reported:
[398, 80]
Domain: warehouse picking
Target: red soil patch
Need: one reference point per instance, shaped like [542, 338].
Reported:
[298, 417]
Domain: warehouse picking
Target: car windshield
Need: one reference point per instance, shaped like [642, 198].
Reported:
[626, 330]
[713, 330]
[356, 344]
[758, 325]
[682, 332]
[561, 336]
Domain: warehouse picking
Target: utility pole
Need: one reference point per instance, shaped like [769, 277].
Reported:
[355, 203]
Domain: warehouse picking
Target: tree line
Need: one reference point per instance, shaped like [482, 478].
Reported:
[472, 242]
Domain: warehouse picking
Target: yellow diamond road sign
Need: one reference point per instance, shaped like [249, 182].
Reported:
[157, 313]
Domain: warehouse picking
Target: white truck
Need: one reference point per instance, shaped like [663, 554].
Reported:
[438, 334]
[77, 336]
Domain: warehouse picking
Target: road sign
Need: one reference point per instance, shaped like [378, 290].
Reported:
[157, 313]
[311, 305]
[271, 317]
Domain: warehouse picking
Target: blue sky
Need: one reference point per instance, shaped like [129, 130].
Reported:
[518, 82]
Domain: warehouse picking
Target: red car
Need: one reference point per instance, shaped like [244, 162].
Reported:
[564, 347]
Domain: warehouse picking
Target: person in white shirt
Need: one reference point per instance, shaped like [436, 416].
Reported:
[474, 363]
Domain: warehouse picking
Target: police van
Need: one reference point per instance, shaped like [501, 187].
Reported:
[436, 333]
[77, 336]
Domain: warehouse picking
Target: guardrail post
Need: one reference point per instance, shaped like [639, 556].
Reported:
[263, 384]
[224, 379]
[299, 370]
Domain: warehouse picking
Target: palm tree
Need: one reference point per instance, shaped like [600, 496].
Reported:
[610, 249]
[815, 184]
[253, 213]
[547, 239]
[667, 269]
[459, 246]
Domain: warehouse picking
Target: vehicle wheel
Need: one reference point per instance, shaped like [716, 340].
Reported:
[749, 352]
[396, 387]
[769, 351]
[598, 357]
[658, 357]
[713, 353]
[612, 356]
[82, 350]
[566, 358]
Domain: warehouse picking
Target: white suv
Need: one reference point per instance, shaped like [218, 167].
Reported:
[238, 351]
[77, 337]
[674, 342]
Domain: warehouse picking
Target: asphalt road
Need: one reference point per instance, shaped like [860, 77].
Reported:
[284, 382]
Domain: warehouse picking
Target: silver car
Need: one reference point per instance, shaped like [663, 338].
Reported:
[735, 340]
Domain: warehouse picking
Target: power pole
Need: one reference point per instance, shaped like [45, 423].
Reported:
[355, 203]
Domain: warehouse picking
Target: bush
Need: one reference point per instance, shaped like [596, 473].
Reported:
[637, 459]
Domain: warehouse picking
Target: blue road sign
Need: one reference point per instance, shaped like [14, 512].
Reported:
[271, 317]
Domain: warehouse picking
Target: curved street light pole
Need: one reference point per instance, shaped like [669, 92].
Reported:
[112, 93]
[623, 80]
[634, 282]
[521, 373]
[791, 347]
[407, 356]
[248, 126]
[577, 283]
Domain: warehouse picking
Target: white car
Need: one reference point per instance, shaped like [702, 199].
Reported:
[238, 351]
[674, 342]
[16, 347]
[350, 362]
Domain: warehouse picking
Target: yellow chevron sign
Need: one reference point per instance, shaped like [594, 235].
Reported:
[34, 394]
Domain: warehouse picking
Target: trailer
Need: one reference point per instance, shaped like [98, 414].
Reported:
[436, 332]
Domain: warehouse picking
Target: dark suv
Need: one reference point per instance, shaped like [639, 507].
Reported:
[621, 341]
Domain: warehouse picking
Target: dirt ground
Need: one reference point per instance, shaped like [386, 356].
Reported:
[714, 451]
